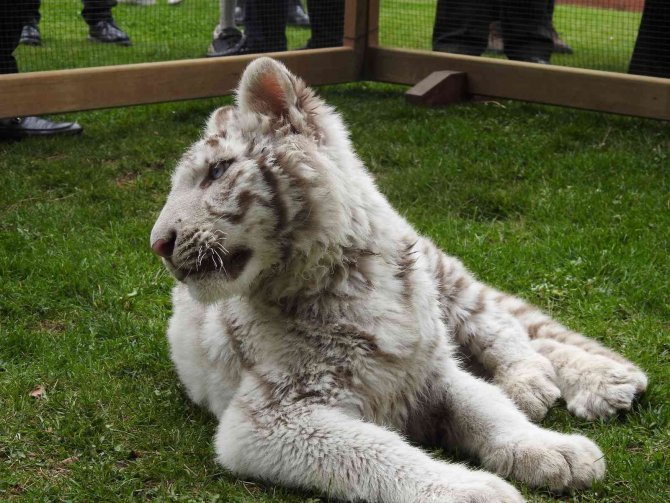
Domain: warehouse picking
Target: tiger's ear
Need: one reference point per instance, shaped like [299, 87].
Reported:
[267, 87]
[219, 120]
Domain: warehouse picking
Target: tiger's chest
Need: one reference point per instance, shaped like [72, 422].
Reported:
[377, 374]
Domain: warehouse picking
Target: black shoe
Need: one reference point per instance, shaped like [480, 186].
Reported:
[531, 59]
[227, 42]
[107, 32]
[20, 127]
[30, 35]
[296, 14]
[560, 46]
[456, 49]
[246, 48]
[320, 44]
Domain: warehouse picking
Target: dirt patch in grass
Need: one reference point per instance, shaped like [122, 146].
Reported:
[51, 326]
[126, 179]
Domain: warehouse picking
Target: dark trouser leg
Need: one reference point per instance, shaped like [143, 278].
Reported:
[13, 15]
[651, 55]
[97, 10]
[266, 25]
[327, 20]
[526, 29]
[35, 17]
[462, 26]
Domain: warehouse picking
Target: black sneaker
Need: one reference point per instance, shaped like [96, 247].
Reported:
[560, 46]
[296, 14]
[247, 47]
[108, 33]
[530, 59]
[320, 44]
[20, 127]
[30, 35]
[456, 49]
[228, 41]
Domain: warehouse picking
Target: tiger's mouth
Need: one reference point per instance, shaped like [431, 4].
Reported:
[229, 265]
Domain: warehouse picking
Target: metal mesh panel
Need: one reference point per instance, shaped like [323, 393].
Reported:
[160, 30]
[595, 34]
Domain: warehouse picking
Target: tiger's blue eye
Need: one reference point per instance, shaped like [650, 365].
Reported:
[218, 169]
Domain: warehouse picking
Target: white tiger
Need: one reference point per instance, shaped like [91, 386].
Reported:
[322, 330]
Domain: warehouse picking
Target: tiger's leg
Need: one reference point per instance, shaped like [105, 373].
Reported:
[494, 337]
[206, 364]
[321, 448]
[499, 329]
[480, 419]
[595, 381]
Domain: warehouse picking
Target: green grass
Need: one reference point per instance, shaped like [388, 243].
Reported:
[602, 39]
[569, 209]
[159, 32]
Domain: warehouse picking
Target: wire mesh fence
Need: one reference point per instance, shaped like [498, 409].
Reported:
[595, 34]
[59, 34]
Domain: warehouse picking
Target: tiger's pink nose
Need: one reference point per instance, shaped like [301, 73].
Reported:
[164, 247]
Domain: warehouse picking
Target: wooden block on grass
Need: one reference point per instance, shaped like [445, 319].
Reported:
[440, 89]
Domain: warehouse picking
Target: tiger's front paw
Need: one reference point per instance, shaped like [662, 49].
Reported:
[469, 486]
[490, 490]
[594, 386]
[604, 390]
[543, 458]
[531, 384]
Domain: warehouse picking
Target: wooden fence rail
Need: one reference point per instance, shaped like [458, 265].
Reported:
[361, 57]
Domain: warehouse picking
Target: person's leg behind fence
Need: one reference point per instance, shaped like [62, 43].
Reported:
[327, 19]
[526, 30]
[462, 26]
[13, 17]
[227, 39]
[101, 24]
[651, 55]
[265, 25]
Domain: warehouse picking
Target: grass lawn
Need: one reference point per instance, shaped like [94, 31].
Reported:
[569, 209]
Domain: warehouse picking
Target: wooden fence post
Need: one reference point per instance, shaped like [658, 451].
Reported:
[361, 29]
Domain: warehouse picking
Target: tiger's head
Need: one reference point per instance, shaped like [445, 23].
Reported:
[270, 181]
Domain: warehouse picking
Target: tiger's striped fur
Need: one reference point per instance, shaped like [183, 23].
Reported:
[322, 330]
